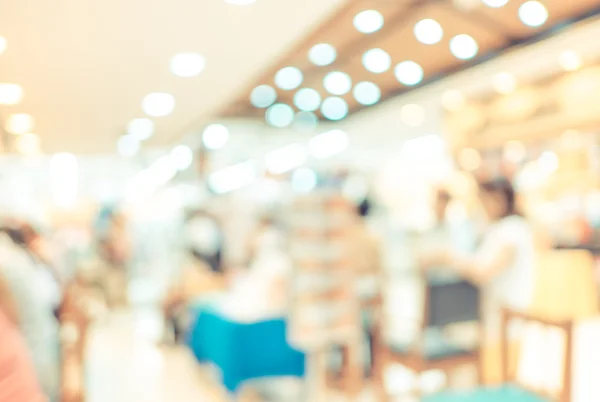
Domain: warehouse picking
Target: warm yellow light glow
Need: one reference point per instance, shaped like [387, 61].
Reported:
[570, 61]
[504, 83]
[453, 100]
[19, 123]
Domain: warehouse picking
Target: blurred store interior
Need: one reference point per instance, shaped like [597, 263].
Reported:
[282, 200]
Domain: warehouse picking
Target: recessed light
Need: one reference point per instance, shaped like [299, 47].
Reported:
[158, 104]
[182, 157]
[307, 99]
[280, 115]
[141, 129]
[408, 73]
[187, 64]
[504, 83]
[263, 96]
[368, 21]
[334, 108]
[377, 61]
[533, 14]
[215, 136]
[495, 3]
[322, 54]
[453, 100]
[20, 123]
[464, 47]
[10, 94]
[337, 83]
[3, 44]
[305, 122]
[570, 61]
[367, 93]
[428, 31]
[412, 115]
[289, 78]
[128, 146]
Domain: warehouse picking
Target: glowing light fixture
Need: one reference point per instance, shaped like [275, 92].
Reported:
[20, 123]
[570, 61]
[10, 94]
[328, 144]
[533, 14]
[305, 122]
[28, 144]
[3, 44]
[495, 3]
[337, 83]
[263, 96]
[504, 83]
[182, 157]
[215, 136]
[280, 115]
[549, 162]
[368, 21]
[464, 47]
[412, 115]
[377, 61]
[141, 129]
[187, 64]
[128, 146]
[307, 99]
[366, 93]
[322, 54]
[453, 100]
[334, 108]
[304, 180]
[428, 31]
[158, 104]
[232, 178]
[408, 73]
[286, 158]
[289, 78]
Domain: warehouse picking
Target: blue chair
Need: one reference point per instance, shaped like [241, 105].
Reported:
[510, 392]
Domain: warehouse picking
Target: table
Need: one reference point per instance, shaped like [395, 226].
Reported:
[243, 351]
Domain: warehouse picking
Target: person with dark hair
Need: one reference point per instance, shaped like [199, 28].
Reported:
[503, 265]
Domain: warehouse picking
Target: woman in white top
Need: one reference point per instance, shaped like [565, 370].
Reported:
[504, 263]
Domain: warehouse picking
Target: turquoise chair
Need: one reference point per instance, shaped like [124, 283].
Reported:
[514, 392]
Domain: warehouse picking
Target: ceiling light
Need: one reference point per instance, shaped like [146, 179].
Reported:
[408, 73]
[533, 14]
[337, 83]
[367, 93]
[328, 144]
[428, 31]
[20, 123]
[453, 100]
[240, 2]
[280, 115]
[288, 78]
[158, 104]
[304, 180]
[368, 21]
[263, 96]
[10, 94]
[570, 61]
[306, 122]
[334, 108]
[469, 159]
[322, 54]
[412, 115]
[182, 157]
[28, 144]
[307, 99]
[504, 83]
[377, 61]
[464, 47]
[187, 64]
[495, 3]
[286, 159]
[141, 129]
[3, 44]
[215, 136]
[232, 178]
[128, 146]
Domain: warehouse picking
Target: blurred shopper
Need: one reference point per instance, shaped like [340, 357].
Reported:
[115, 249]
[33, 309]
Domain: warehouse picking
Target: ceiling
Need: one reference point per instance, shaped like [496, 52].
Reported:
[86, 65]
[494, 29]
